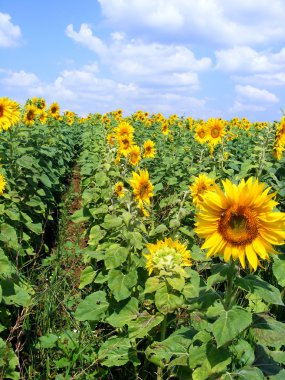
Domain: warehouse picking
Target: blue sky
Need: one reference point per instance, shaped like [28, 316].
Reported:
[202, 58]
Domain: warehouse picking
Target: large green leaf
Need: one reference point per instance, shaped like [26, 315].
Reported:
[267, 331]
[230, 324]
[125, 312]
[121, 284]
[255, 285]
[278, 268]
[115, 256]
[114, 352]
[145, 322]
[167, 301]
[111, 221]
[93, 307]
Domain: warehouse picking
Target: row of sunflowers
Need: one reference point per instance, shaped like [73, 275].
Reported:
[182, 275]
[184, 259]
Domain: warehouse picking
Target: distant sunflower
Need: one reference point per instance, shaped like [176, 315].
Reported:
[134, 155]
[201, 133]
[125, 144]
[149, 149]
[42, 116]
[30, 115]
[119, 189]
[240, 223]
[215, 130]
[111, 138]
[164, 128]
[142, 189]
[167, 256]
[200, 187]
[9, 113]
[2, 184]
[54, 109]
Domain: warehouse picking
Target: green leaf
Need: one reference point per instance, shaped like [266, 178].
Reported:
[115, 256]
[247, 373]
[126, 311]
[86, 277]
[230, 324]
[81, 215]
[267, 331]
[176, 282]
[278, 268]
[114, 352]
[5, 265]
[167, 301]
[93, 307]
[174, 348]
[121, 284]
[95, 235]
[45, 180]
[101, 179]
[48, 341]
[8, 235]
[35, 228]
[14, 294]
[255, 285]
[111, 222]
[243, 352]
[145, 322]
[152, 284]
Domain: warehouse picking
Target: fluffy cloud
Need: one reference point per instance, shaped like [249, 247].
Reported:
[84, 90]
[10, 34]
[252, 99]
[148, 63]
[247, 60]
[211, 21]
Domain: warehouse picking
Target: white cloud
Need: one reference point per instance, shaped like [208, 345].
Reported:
[254, 100]
[20, 79]
[10, 34]
[84, 90]
[144, 63]
[211, 21]
[247, 60]
[255, 94]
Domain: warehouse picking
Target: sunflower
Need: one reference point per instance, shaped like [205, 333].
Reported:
[200, 187]
[240, 223]
[30, 115]
[42, 116]
[123, 130]
[119, 189]
[134, 155]
[142, 189]
[201, 133]
[215, 130]
[54, 109]
[167, 256]
[9, 113]
[111, 138]
[149, 149]
[164, 128]
[125, 144]
[279, 143]
[2, 184]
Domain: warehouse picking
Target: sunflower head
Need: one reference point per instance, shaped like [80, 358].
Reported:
[166, 257]
[142, 189]
[202, 184]
[30, 115]
[149, 149]
[201, 133]
[215, 130]
[134, 155]
[9, 113]
[54, 109]
[240, 222]
[119, 189]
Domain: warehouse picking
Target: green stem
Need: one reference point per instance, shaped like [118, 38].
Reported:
[159, 374]
[229, 291]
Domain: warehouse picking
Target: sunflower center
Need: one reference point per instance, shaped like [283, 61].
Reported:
[1, 110]
[201, 134]
[30, 115]
[53, 110]
[215, 132]
[238, 225]
[144, 190]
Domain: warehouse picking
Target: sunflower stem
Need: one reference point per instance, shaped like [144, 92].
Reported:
[159, 373]
[230, 291]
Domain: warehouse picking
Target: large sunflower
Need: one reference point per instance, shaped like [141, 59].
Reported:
[240, 222]
[9, 113]
[123, 130]
[142, 189]
[167, 256]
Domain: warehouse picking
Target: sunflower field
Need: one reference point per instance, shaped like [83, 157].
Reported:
[140, 246]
